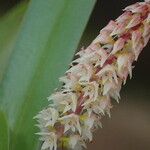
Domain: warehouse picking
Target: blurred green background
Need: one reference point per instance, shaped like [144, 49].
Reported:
[129, 127]
[6, 5]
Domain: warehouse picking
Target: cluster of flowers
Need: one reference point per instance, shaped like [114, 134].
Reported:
[93, 79]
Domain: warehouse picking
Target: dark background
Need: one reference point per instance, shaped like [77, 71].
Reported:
[5, 5]
[129, 127]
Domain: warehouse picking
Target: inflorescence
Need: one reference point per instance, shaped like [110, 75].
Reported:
[93, 79]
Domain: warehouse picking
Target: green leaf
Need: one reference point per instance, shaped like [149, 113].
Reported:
[44, 47]
[9, 27]
[4, 140]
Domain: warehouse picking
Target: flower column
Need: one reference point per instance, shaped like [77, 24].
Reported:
[93, 79]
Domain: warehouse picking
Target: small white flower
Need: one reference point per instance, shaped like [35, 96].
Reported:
[69, 102]
[103, 38]
[105, 104]
[103, 57]
[115, 92]
[87, 73]
[136, 43]
[87, 134]
[69, 81]
[119, 44]
[99, 106]
[80, 145]
[131, 7]
[124, 17]
[73, 140]
[110, 26]
[94, 54]
[146, 33]
[83, 71]
[119, 29]
[108, 86]
[56, 98]
[136, 37]
[50, 141]
[88, 122]
[48, 117]
[91, 89]
[71, 122]
[124, 61]
[109, 72]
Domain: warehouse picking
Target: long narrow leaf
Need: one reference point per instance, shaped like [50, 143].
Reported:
[4, 137]
[9, 27]
[45, 46]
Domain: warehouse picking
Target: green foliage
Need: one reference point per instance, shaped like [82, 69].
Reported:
[4, 144]
[43, 45]
[9, 27]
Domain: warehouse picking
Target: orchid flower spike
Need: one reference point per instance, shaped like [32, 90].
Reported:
[94, 79]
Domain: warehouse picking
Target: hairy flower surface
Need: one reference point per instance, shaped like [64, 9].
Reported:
[93, 79]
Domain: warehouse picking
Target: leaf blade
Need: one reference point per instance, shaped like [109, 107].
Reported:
[40, 61]
[4, 137]
[9, 27]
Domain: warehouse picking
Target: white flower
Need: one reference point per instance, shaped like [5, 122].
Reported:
[69, 81]
[94, 54]
[80, 145]
[69, 102]
[115, 92]
[97, 122]
[119, 29]
[48, 117]
[105, 104]
[141, 9]
[87, 128]
[71, 122]
[88, 121]
[124, 61]
[64, 101]
[92, 106]
[87, 134]
[99, 106]
[124, 17]
[50, 141]
[110, 26]
[56, 98]
[108, 73]
[87, 73]
[108, 86]
[103, 57]
[119, 44]
[91, 89]
[136, 19]
[136, 43]
[131, 7]
[103, 38]
[146, 33]
[83, 71]
[73, 140]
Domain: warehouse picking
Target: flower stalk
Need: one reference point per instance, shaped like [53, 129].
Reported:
[93, 80]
